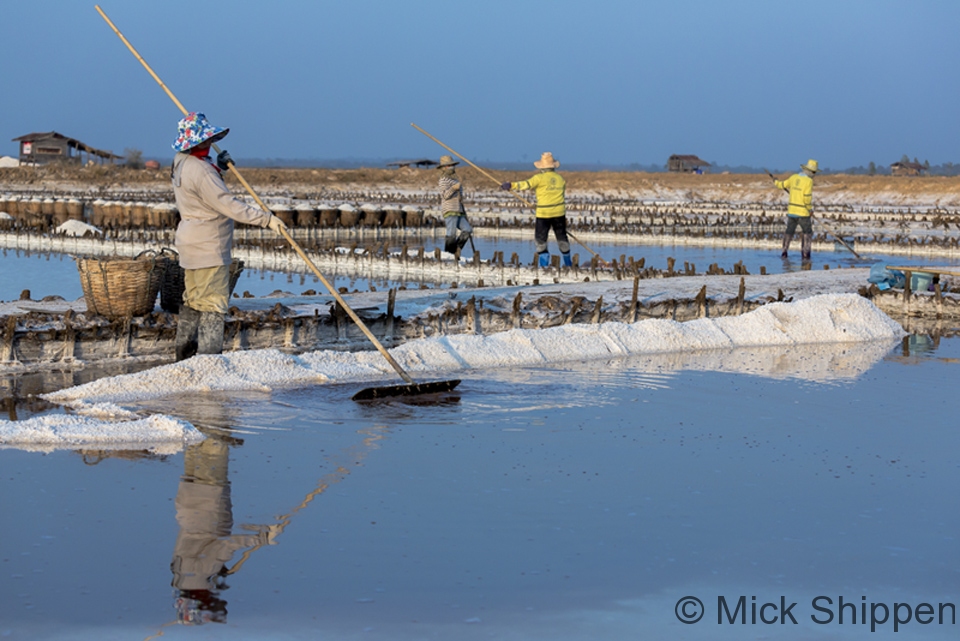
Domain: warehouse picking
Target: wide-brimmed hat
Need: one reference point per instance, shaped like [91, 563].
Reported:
[447, 161]
[194, 129]
[547, 161]
[811, 166]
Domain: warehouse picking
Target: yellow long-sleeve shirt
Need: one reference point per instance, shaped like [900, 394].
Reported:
[551, 191]
[800, 187]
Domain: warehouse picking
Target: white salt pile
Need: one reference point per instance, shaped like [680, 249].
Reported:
[77, 228]
[842, 318]
[256, 370]
[61, 430]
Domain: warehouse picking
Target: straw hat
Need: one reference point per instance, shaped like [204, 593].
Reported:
[546, 161]
[194, 129]
[447, 161]
[811, 166]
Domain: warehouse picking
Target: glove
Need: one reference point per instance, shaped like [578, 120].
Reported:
[273, 531]
[505, 186]
[223, 160]
[276, 224]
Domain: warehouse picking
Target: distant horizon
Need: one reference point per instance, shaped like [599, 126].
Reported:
[614, 83]
[948, 168]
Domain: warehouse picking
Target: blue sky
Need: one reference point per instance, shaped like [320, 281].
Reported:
[606, 81]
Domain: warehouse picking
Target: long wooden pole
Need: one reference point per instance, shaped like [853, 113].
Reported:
[833, 233]
[233, 168]
[494, 179]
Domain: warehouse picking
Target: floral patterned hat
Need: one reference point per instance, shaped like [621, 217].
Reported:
[194, 129]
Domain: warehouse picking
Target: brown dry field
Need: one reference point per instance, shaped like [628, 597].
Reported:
[311, 182]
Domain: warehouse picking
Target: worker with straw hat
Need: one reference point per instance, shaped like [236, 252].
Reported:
[800, 208]
[451, 206]
[551, 208]
[204, 236]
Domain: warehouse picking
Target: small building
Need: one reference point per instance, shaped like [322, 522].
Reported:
[419, 164]
[907, 169]
[43, 148]
[688, 164]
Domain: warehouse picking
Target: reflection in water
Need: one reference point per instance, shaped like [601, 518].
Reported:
[819, 363]
[205, 543]
[917, 344]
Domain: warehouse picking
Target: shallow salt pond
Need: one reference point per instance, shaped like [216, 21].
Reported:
[46, 274]
[574, 501]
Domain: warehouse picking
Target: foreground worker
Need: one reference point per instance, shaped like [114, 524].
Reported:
[451, 206]
[205, 234]
[800, 208]
[551, 208]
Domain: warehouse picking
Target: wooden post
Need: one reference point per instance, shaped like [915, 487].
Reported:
[239, 336]
[740, 295]
[9, 333]
[596, 311]
[472, 318]
[516, 310]
[391, 304]
[70, 337]
[126, 327]
[702, 302]
[289, 332]
[633, 299]
[338, 317]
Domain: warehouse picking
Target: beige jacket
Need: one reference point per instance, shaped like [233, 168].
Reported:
[207, 211]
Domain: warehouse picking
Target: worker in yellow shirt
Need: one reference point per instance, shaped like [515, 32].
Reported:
[800, 208]
[551, 191]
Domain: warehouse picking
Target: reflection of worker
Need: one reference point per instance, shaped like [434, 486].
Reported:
[205, 544]
[551, 208]
[800, 208]
[451, 206]
[205, 234]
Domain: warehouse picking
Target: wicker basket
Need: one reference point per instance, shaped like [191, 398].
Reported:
[171, 290]
[119, 287]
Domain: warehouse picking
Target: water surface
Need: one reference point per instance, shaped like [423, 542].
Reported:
[577, 501]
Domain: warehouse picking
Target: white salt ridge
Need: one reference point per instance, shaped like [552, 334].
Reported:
[831, 318]
[77, 228]
[62, 430]
[253, 370]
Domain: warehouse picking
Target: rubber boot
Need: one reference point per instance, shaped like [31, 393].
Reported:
[210, 333]
[464, 239]
[450, 245]
[544, 259]
[567, 260]
[187, 324]
[786, 245]
[806, 243]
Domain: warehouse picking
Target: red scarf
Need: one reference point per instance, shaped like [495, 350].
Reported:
[204, 154]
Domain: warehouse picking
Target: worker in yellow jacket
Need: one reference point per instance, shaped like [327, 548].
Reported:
[800, 208]
[551, 191]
